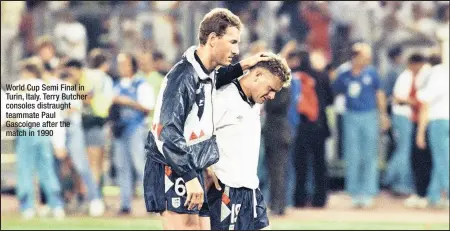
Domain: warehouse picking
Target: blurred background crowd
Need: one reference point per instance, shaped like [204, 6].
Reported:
[317, 134]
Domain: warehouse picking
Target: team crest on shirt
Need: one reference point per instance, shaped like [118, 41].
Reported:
[367, 80]
[354, 89]
[176, 202]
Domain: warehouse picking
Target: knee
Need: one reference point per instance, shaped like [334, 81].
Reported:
[192, 224]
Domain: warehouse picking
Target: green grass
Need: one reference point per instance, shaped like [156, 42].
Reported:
[72, 223]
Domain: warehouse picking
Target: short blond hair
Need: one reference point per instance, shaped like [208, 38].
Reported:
[217, 21]
[278, 67]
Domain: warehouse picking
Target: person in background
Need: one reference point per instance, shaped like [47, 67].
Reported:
[71, 37]
[395, 68]
[277, 139]
[434, 119]
[363, 95]
[76, 144]
[420, 158]
[134, 100]
[99, 88]
[46, 51]
[160, 63]
[313, 131]
[34, 153]
[398, 174]
[318, 18]
[293, 62]
[154, 78]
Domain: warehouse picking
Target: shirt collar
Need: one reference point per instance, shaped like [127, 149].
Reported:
[190, 57]
[241, 92]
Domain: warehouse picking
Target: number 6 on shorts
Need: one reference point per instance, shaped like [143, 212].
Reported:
[180, 189]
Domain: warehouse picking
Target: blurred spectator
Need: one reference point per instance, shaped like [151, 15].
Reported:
[11, 21]
[59, 133]
[365, 19]
[104, 39]
[289, 53]
[419, 25]
[312, 132]
[395, 68]
[160, 63]
[340, 42]
[318, 18]
[398, 174]
[420, 158]
[27, 33]
[71, 37]
[148, 71]
[361, 85]
[46, 51]
[98, 86]
[76, 145]
[134, 99]
[283, 35]
[34, 153]
[166, 38]
[434, 117]
[298, 27]
[277, 139]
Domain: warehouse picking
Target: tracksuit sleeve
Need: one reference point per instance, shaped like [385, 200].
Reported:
[178, 98]
[227, 74]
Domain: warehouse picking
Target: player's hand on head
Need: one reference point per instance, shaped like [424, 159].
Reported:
[254, 59]
[194, 194]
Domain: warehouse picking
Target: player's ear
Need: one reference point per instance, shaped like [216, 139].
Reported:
[257, 75]
[212, 38]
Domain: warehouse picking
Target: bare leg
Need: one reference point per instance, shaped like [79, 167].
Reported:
[205, 223]
[176, 221]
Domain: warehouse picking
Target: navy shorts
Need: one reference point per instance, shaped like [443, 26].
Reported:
[165, 190]
[237, 209]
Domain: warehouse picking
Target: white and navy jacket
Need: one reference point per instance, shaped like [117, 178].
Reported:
[182, 133]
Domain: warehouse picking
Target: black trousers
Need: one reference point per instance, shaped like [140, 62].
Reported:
[421, 165]
[310, 141]
[340, 136]
[277, 151]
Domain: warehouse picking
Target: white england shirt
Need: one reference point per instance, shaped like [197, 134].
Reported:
[238, 132]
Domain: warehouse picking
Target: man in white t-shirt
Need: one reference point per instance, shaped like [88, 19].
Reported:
[434, 120]
[408, 104]
[398, 174]
[236, 202]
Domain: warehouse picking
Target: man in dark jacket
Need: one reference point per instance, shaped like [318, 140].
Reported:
[312, 132]
[277, 138]
[181, 143]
